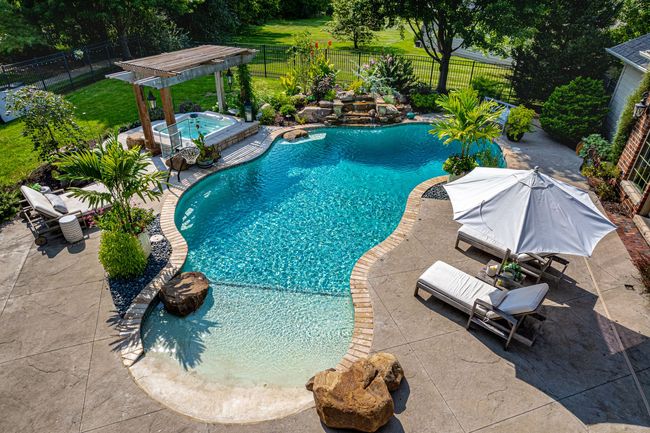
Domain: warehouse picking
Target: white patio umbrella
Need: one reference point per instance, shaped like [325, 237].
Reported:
[528, 211]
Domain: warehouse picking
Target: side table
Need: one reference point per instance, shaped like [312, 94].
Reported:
[71, 228]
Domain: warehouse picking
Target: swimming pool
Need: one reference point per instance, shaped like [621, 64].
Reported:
[277, 238]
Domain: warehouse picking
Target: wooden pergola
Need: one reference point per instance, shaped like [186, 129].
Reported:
[164, 70]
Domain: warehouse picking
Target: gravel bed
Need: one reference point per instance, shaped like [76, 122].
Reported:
[124, 291]
[437, 192]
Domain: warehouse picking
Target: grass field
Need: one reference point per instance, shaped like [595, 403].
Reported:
[282, 31]
[102, 106]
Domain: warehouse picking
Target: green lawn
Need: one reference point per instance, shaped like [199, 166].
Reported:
[282, 31]
[101, 106]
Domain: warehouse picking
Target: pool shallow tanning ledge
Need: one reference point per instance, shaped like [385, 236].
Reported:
[354, 283]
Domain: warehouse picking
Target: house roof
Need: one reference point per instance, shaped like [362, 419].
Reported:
[630, 52]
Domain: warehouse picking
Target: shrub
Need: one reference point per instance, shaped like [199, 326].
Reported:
[626, 122]
[323, 85]
[397, 72]
[458, 164]
[299, 100]
[268, 116]
[487, 158]
[288, 110]
[279, 99]
[575, 110]
[595, 149]
[519, 122]
[487, 87]
[156, 114]
[9, 204]
[290, 83]
[606, 175]
[425, 102]
[356, 87]
[48, 121]
[189, 107]
[121, 254]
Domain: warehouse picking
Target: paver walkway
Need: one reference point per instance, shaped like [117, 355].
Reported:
[58, 372]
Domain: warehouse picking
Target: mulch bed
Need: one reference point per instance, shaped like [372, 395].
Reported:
[436, 192]
[124, 291]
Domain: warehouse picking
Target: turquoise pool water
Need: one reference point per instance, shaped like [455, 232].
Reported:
[278, 238]
[203, 123]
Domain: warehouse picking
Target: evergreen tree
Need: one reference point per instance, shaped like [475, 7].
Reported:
[569, 42]
[355, 21]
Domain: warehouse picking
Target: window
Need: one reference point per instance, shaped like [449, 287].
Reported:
[640, 174]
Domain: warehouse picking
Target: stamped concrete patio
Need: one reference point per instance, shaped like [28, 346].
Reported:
[588, 371]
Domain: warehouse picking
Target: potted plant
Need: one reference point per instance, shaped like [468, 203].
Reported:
[207, 155]
[458, 165]
[469, 121]
[520, 121]
[510, 273]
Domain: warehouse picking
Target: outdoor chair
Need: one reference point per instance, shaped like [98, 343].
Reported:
[503, 118]
[40, 212]
[497, 310]
[184, 157]
[534, 265]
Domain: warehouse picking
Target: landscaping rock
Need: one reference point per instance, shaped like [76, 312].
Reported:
[135, 139]
[265, 106]
[325, 104]
[314, 114]
[184, 293]
[354, 399]
[388, 368]
[346, 96]
[295, 134]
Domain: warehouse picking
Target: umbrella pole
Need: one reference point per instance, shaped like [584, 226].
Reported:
[506, 257]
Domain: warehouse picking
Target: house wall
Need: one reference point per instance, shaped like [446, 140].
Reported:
[627, 83]
[634, 200]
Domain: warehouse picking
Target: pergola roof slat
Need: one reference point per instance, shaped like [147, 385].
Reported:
[174, 63]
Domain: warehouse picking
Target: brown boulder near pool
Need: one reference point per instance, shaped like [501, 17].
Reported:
[295, 134]
[389, 369]
[357, 398]
[184, 293]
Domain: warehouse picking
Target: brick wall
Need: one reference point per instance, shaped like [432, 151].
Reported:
[629, 155]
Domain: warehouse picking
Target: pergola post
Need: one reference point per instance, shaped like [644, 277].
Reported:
[168, 106]
[220, 94]
[143, 114]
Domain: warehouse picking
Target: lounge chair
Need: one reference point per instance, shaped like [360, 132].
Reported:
[503, 118]
[533, 265]
[499, 311]
[40, 213]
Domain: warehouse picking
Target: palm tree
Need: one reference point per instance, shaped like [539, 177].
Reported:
[471, 120]
[123, 172]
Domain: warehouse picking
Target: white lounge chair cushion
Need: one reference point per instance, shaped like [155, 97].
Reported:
[524, 299]
[457, 285]
[482, 238]
[39, 202]
[42, 205]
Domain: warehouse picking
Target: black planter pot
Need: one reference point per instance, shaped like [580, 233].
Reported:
[206, 163]
[514, 137]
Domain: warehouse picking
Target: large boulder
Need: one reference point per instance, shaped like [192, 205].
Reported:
[314, 114]
[388, 368]
[295, 134]
[184, 293]
[135, 139]
[357, 398]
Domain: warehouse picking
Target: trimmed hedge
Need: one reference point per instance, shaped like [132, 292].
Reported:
[575, 110]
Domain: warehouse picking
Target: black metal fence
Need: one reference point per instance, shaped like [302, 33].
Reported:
[64, 71]
[275, 61]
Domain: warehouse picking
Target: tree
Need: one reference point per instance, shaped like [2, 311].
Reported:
[355, 21]
[16, 34]
[569, 42]
[634, 20]
[48, 121]
[444, 26]
[471, 120]
[124, 174]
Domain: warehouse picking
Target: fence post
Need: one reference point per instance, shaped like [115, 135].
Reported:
[108, 53]
[67, 69]
[431, 72]
[264, 54]
[37, 68]
[359, 69]
[90, 62]
[471, 74]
